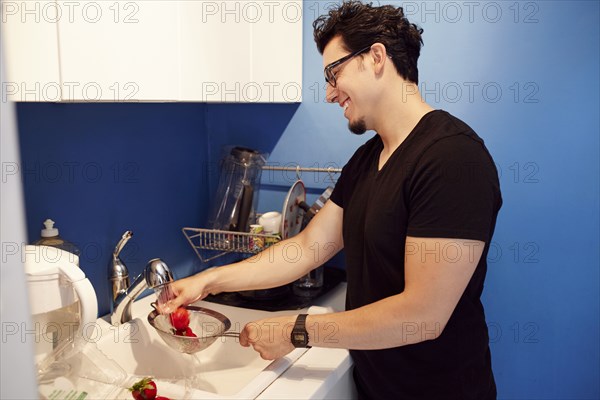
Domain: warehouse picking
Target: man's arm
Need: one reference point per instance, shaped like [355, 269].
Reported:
[437, 271]
[281, 263]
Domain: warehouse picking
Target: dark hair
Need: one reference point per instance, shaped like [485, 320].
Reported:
[360, 25]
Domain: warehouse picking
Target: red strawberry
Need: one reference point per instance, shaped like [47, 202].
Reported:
[185, 332]
[136, 395]
[161, 398]
[188, 332]
[180, 319]
[144, 389]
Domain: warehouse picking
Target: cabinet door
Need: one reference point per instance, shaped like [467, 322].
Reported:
[30, 48]
[276, 62]
[216, 44]
[119, 51]
[241, 51]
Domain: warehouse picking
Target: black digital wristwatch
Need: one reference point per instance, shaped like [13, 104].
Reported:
[299, 332]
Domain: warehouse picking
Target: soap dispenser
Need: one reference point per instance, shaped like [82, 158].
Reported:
[50, 237]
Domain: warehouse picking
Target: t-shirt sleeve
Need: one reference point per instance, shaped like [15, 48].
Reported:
[345, 183]
[454, 191]
[337, 196]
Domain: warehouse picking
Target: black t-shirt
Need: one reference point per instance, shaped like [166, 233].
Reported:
[440, 182]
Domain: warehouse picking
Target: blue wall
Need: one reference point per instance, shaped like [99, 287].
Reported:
[100, 169]
[523, 75]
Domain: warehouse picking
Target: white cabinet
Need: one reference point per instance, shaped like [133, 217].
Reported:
[119, 51]
[217, 56]
[160, 50]
[276, 62]
[241, 51]
[30, 45]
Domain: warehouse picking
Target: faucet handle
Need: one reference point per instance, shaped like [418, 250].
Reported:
[118, 274]
[157, 273]
[124, 239]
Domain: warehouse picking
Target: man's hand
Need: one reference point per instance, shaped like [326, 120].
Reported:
[271, 337]
[186, 291]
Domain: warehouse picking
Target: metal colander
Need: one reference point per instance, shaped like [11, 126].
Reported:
[208, 325]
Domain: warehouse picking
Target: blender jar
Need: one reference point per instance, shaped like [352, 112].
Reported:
[236, 195]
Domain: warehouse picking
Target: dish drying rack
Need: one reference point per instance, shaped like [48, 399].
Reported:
[223, 242]
[210, 244]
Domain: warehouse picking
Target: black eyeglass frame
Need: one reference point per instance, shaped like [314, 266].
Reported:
[328, 71]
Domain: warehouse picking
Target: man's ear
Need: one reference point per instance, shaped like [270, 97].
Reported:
[379, 55]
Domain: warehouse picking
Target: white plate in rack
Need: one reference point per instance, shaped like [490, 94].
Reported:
[292, 214]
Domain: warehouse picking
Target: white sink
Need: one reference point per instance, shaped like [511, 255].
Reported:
[223, 370]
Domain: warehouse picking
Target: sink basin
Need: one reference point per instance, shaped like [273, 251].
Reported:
[223, 370]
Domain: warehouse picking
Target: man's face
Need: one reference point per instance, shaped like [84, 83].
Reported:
[349, 91]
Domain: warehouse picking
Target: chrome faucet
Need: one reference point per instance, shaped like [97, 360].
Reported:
[155, 273]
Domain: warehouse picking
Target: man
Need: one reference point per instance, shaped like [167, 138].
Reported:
[415, 210]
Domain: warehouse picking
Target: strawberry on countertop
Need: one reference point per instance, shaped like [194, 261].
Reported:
[144, 389]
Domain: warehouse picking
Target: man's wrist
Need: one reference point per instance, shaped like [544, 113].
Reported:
[211, 279]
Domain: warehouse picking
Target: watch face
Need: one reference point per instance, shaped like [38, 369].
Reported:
[300, 339]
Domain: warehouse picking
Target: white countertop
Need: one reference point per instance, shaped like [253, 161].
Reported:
[320, 372]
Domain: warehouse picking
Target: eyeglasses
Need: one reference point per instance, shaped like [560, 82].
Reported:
[329, 74]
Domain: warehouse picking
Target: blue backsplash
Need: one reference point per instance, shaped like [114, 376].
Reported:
[98, 170]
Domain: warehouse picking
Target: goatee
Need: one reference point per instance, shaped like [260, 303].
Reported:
[358, 128]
